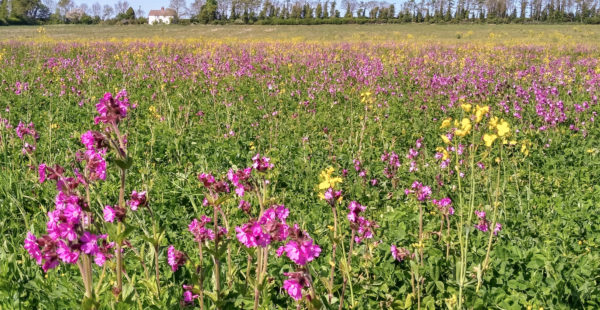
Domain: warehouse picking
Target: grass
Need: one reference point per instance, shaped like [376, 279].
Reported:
[450, 34]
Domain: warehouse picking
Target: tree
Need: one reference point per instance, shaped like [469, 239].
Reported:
[107, 12]
[121, 7]
[332, 12]
[319, 11]
[196, 7]
[139, 12]
[208, 12]
[96, 9]
[65, 6]
[179, 6]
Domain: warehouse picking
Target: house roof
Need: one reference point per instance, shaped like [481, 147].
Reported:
[162, 12]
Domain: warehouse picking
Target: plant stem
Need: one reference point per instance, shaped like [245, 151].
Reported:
[334, 247]
[258, 273]
[215, 256]
[201, 278]
[119, 246]
[348, 262]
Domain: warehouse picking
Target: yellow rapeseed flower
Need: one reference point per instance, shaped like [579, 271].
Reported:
[489, 139]
[442, 150]
[445, 139]
[446, 123]
[465, 127]
[480, 112]
[503, 128]
[493, 123]
[466, 107]
[327, 181]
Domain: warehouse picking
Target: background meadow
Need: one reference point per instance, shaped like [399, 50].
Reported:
[310, 98]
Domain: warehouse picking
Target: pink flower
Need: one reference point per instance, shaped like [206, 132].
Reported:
[399, 254]
[112, 109]
[89, 243]
[444, 205]
[261, 163]
[32, 248]
[252, 235]
[294, 284]
[497, 229]
[93, 140]
[422, 192]
[137, 200]
[42, 172]
[65, 253]
[302, 252]
[293, 288]
[109, 214]
[188, 295]
[200, 232]
[175, 258]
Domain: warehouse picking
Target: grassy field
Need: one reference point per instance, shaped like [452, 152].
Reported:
[400, 167]
[515, 34]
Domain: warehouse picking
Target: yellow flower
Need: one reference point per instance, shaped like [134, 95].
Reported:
[446, 123]
[489, 139]
[480, 112]
[524, 149]
[493, 123]
[445, 154]
[465, 127]
[466, 107]
[327, 180]
[445, 139]
[503, 128]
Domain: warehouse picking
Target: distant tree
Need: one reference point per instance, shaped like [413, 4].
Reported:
[332, 11]
[319, 10]
[139, 12]
[96, 9]
[65, 6]
[196, 7]
[208, 13]
[107, 12]
[180, 7]
[121, 7]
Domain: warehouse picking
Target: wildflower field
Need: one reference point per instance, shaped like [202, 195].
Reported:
[158, 173]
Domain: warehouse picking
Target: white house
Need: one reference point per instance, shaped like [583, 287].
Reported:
[161, 16]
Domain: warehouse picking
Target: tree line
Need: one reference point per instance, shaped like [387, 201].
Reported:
[308, 12]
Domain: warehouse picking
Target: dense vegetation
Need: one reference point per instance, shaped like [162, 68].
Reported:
[390, 175]
[305, 13]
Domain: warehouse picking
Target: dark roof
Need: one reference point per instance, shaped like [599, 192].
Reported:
[162, 12]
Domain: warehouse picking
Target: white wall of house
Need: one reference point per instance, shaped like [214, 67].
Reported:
[159, 19]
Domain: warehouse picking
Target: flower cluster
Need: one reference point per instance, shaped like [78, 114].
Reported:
[67, 228]
[483, 224]
[294, 284]
[301, 249]
[363, 227]
[392, 163]
[421, 192]
[175, 258]
[200, 232]
[27, 130]
[444, 205]
[271, 227]
[400, 254]
[112, 109]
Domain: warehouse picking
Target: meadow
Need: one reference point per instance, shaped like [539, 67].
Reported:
[321, 167]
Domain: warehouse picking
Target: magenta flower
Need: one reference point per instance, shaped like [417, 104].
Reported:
[26, 130]
[175, 258]
[251, 235]
[137, 200]
[65, 253]
[300, 249]
[33, 248]
[444, 205]
[400, 254]
[392, 163]
[188, 295]
[109, 214]
[93, 140]
[245, 206]
[261, 163]
[112, 109]
[241, 180]
[497, 229]
[200, 232]
[42, 172]
[295, 283]
[421, 191]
